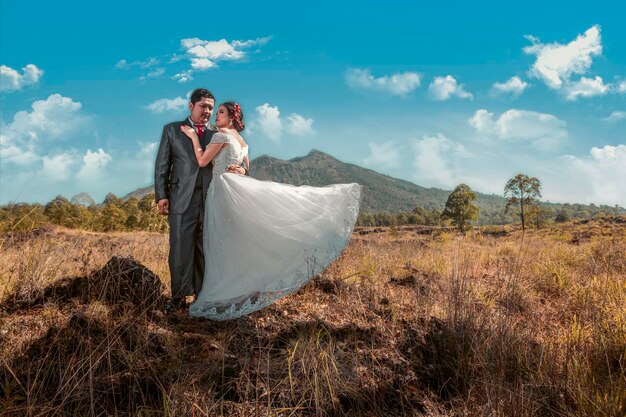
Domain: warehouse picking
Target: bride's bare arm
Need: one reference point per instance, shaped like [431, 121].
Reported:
[206, 156]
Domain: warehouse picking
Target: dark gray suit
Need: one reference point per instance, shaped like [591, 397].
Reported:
[179, 178]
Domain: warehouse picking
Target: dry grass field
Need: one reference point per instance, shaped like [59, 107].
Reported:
[411, 321]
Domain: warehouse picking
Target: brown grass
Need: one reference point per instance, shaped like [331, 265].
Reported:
[420, 321]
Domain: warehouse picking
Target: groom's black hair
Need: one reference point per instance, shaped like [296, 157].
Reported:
[200, 93]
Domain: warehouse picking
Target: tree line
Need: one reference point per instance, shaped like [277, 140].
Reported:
[522, 195]
[114, 214]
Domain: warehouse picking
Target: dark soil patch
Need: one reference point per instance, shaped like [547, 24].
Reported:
[120, 280]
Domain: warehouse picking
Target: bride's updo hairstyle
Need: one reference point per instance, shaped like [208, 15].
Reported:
[234, 111]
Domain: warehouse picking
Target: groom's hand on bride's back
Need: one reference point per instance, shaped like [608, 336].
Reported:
[236, 169]
[163, 206]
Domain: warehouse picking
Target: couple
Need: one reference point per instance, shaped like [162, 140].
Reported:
[237, 243]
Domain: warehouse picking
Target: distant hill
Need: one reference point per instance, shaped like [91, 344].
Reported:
[139, 193]
[83, 199]
[381, 193]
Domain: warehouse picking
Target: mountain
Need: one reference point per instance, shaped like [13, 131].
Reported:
[139, 193]
[380, 192]
[83, 199]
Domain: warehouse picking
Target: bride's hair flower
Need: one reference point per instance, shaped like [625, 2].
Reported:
[234, 111]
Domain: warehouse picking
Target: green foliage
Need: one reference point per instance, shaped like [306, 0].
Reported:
[460, 207]
[562, 216]
[539, 215]
[21, 217]
[149, 219]
[113, 215]
[522, 191]
[111, 199]
[418, 216]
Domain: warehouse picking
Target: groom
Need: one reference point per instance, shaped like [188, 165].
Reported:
[180, 187]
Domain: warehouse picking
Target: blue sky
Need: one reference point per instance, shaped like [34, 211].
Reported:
[435, 94]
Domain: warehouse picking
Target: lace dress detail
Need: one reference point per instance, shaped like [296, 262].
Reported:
[263, 240]
[231, 154]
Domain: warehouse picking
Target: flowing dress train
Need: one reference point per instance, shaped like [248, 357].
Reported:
[264, 240]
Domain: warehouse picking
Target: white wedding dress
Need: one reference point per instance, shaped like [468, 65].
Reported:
[264, 240]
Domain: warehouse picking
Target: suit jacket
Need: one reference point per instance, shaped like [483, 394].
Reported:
[176, 168]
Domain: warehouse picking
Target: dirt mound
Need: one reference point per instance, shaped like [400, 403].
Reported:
[124, 279]
[329, 286]
[121, 280]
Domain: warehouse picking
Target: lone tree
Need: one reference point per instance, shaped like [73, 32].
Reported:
[460, 207]
[522, 191]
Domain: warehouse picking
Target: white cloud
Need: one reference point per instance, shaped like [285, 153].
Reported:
[556, 63]
[514, 86]
[205, 54]
[272, 126]
[165, 104]
[299, 125]
[543, 131]
[601, 174]
[399, 84]
[386, 154]
[75, 171]
[29, 134]
[436, 159]
[211, 50]
[12, 150]
[57, 167]
[148, 148]
[442, 88]
[37, 166]
[183, 77]
[175, 58]
[585, 87]
[156, 73]
[53, 117]
[621, 88]
[93, 166]
[268, 120]
[252, 42]
[202, 64]
[12, 80]
[124, 65]
[201, 54]
[616, 116]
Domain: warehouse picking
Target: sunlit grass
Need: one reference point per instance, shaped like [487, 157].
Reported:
[414, 322]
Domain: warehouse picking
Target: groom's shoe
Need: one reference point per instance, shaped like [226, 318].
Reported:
[175, 305]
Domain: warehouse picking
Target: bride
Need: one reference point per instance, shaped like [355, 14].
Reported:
[262, 239]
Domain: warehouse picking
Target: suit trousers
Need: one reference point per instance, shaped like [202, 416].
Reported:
[186, 258]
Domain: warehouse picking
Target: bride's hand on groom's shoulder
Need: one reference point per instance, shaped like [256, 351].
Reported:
[189, 131]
